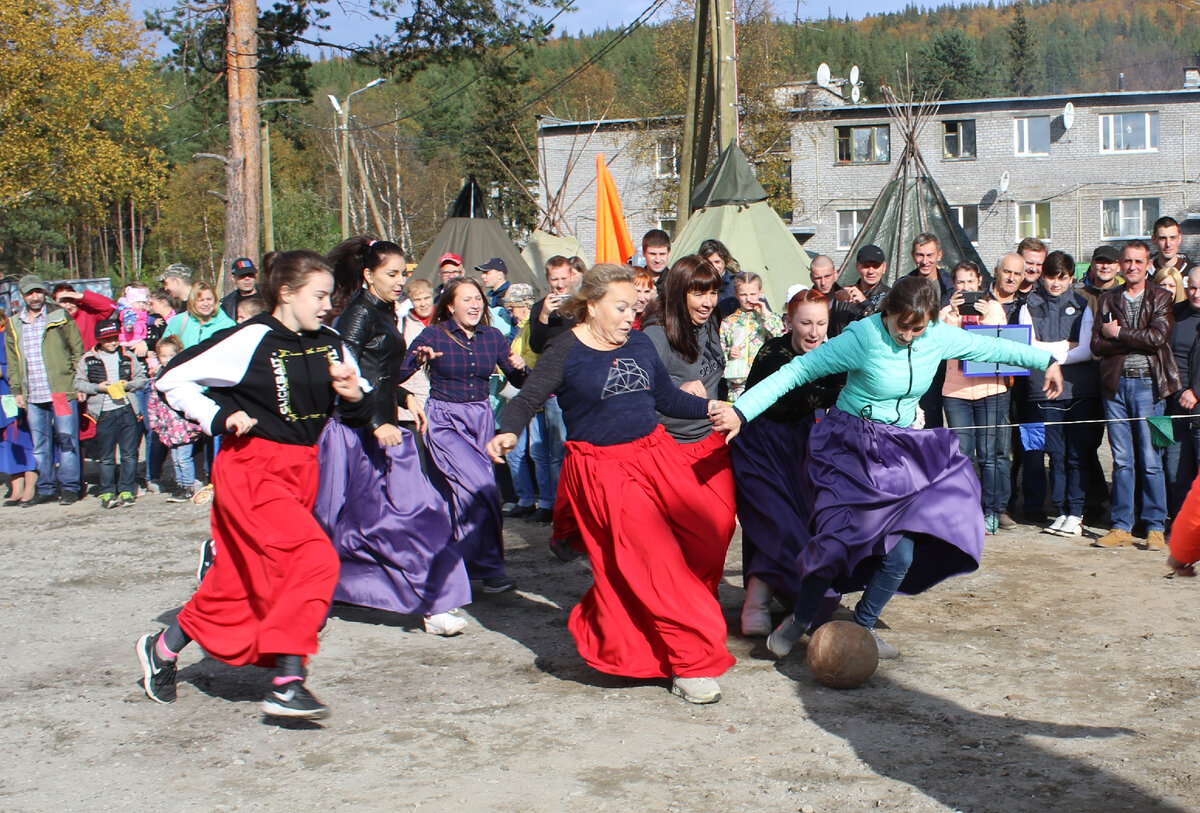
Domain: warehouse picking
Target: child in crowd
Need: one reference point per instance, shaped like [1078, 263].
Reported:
[176, 432]
[133, 312]
[744, 331]
[107, 374]
[250, 307]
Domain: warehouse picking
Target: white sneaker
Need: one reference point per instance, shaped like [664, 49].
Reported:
[445, 624]
[756, 611]
[699, 690]
[1072, 527]
[785, 636]
[1056, 526]
[886, 651]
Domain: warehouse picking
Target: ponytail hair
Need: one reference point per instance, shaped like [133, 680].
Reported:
[352, 257]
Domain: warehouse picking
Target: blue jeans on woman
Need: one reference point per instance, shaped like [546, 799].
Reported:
[893, 567]
[1132, 447]
[987, 445]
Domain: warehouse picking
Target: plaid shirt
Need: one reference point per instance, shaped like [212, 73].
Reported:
[37, 380]
[460, 374]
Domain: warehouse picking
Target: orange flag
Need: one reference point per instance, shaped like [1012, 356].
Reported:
[613, 244]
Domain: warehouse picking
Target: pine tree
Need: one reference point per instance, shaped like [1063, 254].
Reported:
[1026, 72]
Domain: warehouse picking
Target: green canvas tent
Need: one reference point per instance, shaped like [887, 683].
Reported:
[730, 205]
[910, 204]
[471, 234]
[542, 245]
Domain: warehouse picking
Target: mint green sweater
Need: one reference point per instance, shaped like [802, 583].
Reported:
[885, 381]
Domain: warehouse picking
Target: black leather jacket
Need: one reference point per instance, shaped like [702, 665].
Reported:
[368, 327]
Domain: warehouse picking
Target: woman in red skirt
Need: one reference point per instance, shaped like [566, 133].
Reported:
[652, 611]
[271, 384]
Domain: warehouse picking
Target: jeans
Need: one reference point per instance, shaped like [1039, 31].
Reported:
[547, 434]
[893, 567]
[1131, 443]
[118, 428]
[987, 448]
[522, 472]
[55, 432]
[185, 467]
[1182, 458]
[1067, 447]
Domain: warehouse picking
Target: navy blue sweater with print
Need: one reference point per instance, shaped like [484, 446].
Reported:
[607, 396]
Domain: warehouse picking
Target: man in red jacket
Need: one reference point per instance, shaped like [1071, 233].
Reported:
[86, 308]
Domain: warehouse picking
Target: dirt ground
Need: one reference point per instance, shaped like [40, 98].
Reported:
[1058, 677]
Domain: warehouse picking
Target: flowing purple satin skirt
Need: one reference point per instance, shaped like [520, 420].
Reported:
[462, 471]
[389, 525]
[773, 505]
[871, 484]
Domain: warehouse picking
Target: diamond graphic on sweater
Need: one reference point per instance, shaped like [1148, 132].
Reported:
[624, 377]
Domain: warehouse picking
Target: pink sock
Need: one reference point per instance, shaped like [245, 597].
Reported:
[282, 679]
[161, 649]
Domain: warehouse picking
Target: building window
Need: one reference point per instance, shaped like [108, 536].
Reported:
[849, 221]
[666, 222]
[968, 218]
[1033, 220]
[1031, 136]
[863, 145]
[1127, 218]
[958, 139]
[1129, 132]
[667, 158]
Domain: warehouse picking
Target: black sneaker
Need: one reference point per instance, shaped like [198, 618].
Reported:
[180, 495]
[158, 675]
[518, 511]
[68, 498]
[207, 551]
[295, 701]
[40, 499]
[542, 516]
[498, 584]
[562, 550]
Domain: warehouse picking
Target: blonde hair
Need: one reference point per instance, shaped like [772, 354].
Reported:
[199, 288]
[594, 287]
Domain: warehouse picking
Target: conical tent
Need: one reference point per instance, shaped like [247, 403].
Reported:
[910, 204]
[542, 245]
[731, 206]
[476, 238]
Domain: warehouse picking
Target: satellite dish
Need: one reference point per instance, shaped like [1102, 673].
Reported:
[854, 75]
[1004, 181]
[823, 75]
[1068, 116]
[855, 94]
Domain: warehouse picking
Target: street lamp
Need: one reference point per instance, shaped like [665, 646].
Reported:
[343, 113]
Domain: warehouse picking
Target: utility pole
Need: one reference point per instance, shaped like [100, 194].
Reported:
[343, 112]
[242, 168]
[712, 96]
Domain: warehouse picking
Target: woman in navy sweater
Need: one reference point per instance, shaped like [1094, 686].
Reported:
[652, 611]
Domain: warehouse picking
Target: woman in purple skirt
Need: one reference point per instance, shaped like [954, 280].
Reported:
[768, 458]
[389, 524]
[895, 509]
[461, 350]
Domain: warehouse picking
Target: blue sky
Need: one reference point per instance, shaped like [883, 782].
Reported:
[348, 25]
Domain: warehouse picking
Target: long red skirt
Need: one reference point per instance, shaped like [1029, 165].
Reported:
[271, 583]
[656, 519]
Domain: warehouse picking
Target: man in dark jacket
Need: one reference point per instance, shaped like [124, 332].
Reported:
[864, 297]
[245, 285]
[927, 255]
[1182, 458]
[1132, 337]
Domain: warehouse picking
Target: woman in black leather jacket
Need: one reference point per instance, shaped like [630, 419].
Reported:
[390, 526]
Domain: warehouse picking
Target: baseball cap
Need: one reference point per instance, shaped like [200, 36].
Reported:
[107, 329]
[1106, 254]
[494, 264]
[31, 282]
[176, 270]
[871, 254]
[243, 267]
[449, 258]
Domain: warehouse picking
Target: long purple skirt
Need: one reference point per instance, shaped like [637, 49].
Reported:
[389, 525]
[873, 483]
[773, 505]
[462, 471]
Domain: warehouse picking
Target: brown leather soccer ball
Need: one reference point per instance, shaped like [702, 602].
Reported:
[842, 655]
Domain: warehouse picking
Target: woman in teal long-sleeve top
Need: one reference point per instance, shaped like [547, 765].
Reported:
[896, 509]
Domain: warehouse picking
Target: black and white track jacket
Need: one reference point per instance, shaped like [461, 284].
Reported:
[275, 375]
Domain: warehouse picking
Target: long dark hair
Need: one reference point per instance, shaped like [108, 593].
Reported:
[711, 247]
[291, 269]
[350, 258]
[441, 312]
[912, 300]
[690, 274]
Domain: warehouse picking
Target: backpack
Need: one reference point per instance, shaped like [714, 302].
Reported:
[171, 427]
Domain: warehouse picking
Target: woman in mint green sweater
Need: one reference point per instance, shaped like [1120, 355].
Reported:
[896, 509]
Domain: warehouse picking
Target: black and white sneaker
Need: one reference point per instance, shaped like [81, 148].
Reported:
[158, 674]
[180, 495]
[498, 584]
[207, 552]
[295, 701]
